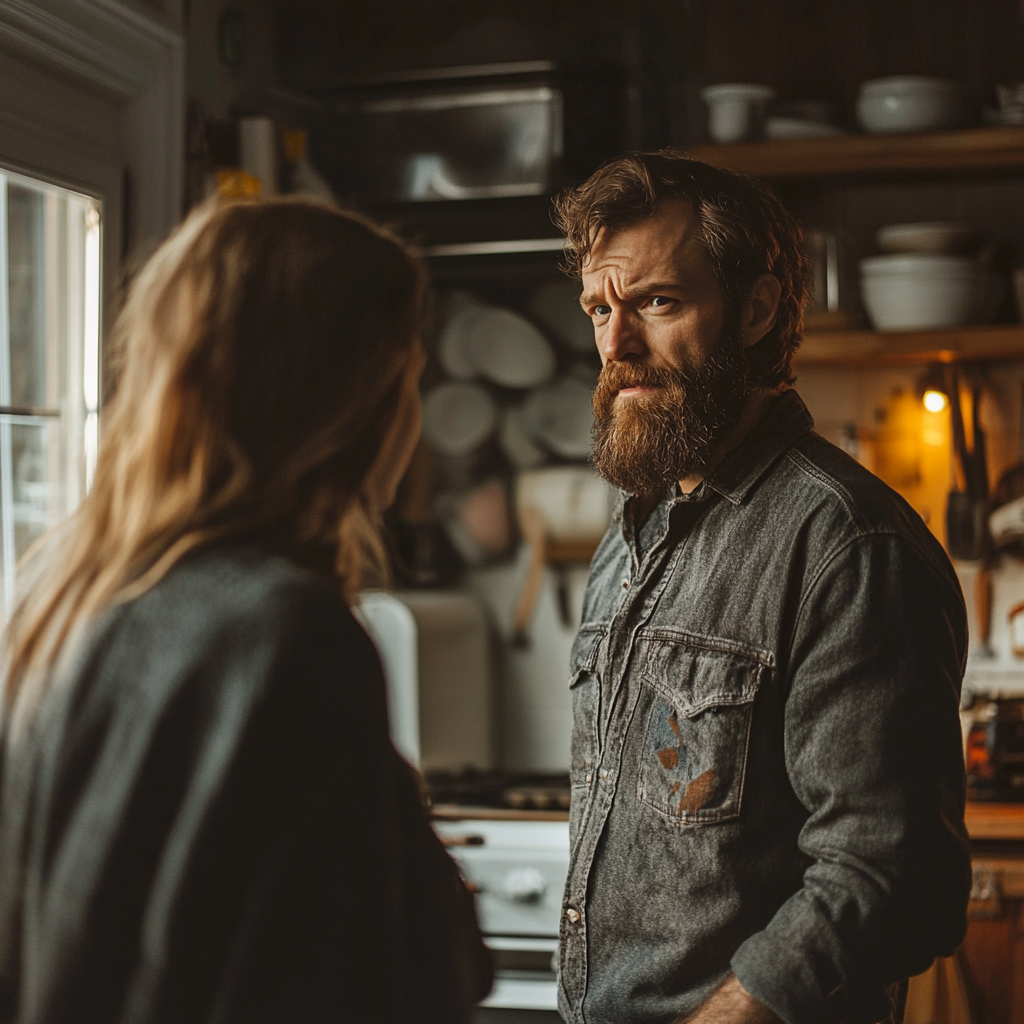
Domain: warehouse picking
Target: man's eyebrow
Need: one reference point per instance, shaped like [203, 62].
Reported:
[643, 288]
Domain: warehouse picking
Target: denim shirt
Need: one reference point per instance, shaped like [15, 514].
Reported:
[767, 774]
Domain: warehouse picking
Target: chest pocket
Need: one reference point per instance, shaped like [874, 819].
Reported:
[694, 753]
[585, 685]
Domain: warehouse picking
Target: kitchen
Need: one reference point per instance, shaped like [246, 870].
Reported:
[636, 80]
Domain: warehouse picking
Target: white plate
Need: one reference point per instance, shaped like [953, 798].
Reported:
[506, 348]
[451, 346]
[522, 451]
[557, 307]
[458, 417]
[560, 416]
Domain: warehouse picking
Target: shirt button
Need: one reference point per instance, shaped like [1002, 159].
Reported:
[590, 778]
[604, 776]
[572, 915]
[625, 584]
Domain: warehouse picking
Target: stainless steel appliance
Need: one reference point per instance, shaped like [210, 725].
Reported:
[517, 869]
[480, 132]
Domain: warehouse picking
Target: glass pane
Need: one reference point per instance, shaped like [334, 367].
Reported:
[26, 269]
[49, 360]
[38, 481]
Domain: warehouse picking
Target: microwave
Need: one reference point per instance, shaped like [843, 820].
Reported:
[485, 132]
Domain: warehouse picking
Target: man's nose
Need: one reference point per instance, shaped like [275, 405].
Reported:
[621, 337]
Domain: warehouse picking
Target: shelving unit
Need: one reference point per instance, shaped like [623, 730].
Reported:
[871, 348]
[972, 150]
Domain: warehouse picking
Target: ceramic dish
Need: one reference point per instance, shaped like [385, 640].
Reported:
[922, 291]
[560, 417]
[504, 347]
[736, 110]
[942, 237]
[458, 417]
[460, 308]
[911, 103]
[521, 449]
[557, 307]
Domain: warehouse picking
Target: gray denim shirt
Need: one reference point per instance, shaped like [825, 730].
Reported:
[767, 774]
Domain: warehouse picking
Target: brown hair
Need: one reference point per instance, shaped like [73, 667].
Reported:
[261, 355]
[745, 231]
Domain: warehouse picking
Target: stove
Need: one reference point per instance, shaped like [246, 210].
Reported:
[511, 843]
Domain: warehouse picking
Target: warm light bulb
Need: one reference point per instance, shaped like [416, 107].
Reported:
[934, 401]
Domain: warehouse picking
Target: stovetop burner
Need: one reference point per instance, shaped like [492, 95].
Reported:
[522, 791]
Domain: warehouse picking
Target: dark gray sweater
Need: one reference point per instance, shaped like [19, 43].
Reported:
[207, 822]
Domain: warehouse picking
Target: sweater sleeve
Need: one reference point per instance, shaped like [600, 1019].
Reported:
[873, 752]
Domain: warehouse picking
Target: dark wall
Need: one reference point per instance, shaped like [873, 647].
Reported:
[805, 48]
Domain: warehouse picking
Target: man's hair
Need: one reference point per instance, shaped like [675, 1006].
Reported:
[745, 231]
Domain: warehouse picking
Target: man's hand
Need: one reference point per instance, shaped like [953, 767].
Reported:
[731, 1003]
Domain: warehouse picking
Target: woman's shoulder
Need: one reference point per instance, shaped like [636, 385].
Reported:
[228, 612]
[242, 587]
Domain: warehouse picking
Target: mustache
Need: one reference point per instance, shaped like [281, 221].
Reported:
[615, 376]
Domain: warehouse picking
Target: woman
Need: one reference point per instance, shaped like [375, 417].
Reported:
[202, 817]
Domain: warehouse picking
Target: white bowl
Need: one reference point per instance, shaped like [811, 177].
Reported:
[736, 110]
[936, 236]
[918, 291]
[910, 103]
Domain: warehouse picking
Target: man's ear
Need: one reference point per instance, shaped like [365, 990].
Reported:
[760, 309]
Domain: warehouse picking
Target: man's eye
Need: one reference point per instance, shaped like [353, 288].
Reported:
[602, 310]
[660, 300]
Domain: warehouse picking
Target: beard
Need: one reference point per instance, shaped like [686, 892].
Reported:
[644, 443]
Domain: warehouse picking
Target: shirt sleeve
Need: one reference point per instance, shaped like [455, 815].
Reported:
[873, 752]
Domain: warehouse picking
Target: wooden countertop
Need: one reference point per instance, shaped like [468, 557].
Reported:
[459, 812]
[984, 820]
[995, 821]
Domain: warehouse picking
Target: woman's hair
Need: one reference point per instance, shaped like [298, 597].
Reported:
[259, 360]
[745, 231]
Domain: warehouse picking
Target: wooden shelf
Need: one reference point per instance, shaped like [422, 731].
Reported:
[870, 348]
[975, 149]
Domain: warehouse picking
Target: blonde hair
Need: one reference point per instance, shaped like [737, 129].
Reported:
[260, 357]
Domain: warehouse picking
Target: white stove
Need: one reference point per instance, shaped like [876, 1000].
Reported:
[517, 869]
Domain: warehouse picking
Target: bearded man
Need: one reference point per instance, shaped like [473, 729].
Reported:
[767, 777]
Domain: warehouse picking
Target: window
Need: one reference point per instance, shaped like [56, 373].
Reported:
[49, 360]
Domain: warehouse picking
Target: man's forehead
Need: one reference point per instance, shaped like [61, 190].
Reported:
[667, 240]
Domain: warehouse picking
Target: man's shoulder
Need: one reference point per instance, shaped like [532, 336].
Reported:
[831, 494]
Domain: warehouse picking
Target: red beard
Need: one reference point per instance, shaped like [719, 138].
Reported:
[643, 443]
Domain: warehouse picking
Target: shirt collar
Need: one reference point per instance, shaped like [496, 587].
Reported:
[785, 420]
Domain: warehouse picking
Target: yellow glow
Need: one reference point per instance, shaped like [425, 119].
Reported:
[934, 401]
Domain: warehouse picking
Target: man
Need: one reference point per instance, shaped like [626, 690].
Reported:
[767, 802]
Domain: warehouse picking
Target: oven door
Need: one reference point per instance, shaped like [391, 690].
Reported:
[517, 870]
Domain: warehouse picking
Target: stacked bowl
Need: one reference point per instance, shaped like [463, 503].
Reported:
[926, 280]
